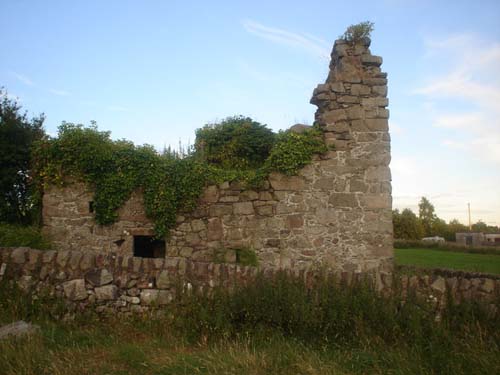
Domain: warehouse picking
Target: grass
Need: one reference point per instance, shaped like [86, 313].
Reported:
[272, 327]
[434, 258]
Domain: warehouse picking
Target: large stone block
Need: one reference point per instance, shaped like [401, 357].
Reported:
[99, 277]
[243, 208]
[106, 293]
[75, 290]
[343, 200]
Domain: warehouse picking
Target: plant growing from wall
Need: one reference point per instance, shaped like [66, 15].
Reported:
[355, 33]
[170, 185]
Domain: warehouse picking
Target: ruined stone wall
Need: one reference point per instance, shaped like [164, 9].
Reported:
[111, 283]
[336, 212]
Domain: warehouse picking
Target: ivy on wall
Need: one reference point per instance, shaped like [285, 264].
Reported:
[170, 184]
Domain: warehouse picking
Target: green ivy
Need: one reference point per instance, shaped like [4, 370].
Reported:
[170, 184]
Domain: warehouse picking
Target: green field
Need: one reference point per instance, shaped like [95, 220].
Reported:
[430, 258]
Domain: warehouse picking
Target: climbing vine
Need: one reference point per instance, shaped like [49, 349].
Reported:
[170, 184]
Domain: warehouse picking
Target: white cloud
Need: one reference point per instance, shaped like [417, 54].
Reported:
[307, 42]
[472, 86]
[23, 79]
[59, 92]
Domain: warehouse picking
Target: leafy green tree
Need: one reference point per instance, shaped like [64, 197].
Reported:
[407, 225]
[236, 142]
[427, 215]
[454, 226]
[17, 135]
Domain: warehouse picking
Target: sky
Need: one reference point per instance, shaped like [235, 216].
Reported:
[155, 71]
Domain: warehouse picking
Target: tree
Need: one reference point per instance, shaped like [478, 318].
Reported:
[426, 215]
[17, 135]
[407, 226]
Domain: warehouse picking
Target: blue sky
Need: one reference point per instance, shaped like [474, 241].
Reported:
[154, 71]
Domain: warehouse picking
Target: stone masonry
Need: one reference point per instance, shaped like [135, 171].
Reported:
[112, 283]
[336, 212]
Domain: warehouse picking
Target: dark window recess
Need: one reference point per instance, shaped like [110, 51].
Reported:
[148, 247]
[91, 206]
[119, 242]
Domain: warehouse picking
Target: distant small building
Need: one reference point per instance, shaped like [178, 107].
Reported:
[435, 239]
[470, 239]
[492, 239]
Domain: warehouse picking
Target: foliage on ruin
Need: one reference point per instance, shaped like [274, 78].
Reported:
[355, 33]
[170, 184]
[235, 143]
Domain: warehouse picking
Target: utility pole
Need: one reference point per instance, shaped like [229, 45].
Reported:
[470, 224]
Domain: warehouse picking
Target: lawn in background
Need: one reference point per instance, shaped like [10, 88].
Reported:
[430, 258]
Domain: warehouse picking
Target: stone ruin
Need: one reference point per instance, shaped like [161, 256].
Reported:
[336, 212]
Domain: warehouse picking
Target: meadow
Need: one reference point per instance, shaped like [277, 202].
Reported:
[441, 258]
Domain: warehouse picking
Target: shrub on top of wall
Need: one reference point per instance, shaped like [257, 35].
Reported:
[171, 184]
[235, 143]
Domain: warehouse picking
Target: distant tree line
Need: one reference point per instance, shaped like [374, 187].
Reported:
[409, 226]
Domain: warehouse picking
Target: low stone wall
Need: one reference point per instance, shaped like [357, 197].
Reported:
[114, 283]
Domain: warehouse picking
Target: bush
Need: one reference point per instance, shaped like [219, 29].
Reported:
[235, 143]
[293, 151]
[12, 235]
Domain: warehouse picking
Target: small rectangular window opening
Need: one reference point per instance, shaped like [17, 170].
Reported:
[91, 206]
[148, 247]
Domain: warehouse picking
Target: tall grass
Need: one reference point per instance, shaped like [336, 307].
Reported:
[276, 325]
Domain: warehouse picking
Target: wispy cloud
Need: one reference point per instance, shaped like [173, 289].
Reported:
[24, 79]
[59, 92]
[472, 86]
[304, 41]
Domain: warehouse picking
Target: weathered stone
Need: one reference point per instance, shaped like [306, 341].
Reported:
[300, 128]
[198, 225]
[106, 292]
[75, 289]
[19, 255]
[439, 285]
[380, 90]
[221, 210]
[149, 296]
[74, 260]
[488, 286]
[343, 200]
[294, 221]
[62, 258]
[163, 280]
[378, 174]
[48, 256]
[371, 60]
[357, 89]
[243, 208]
[282, 182]
[99, 277]
[18, 329]
[264, 210]
[129, 299]
[334, 116]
